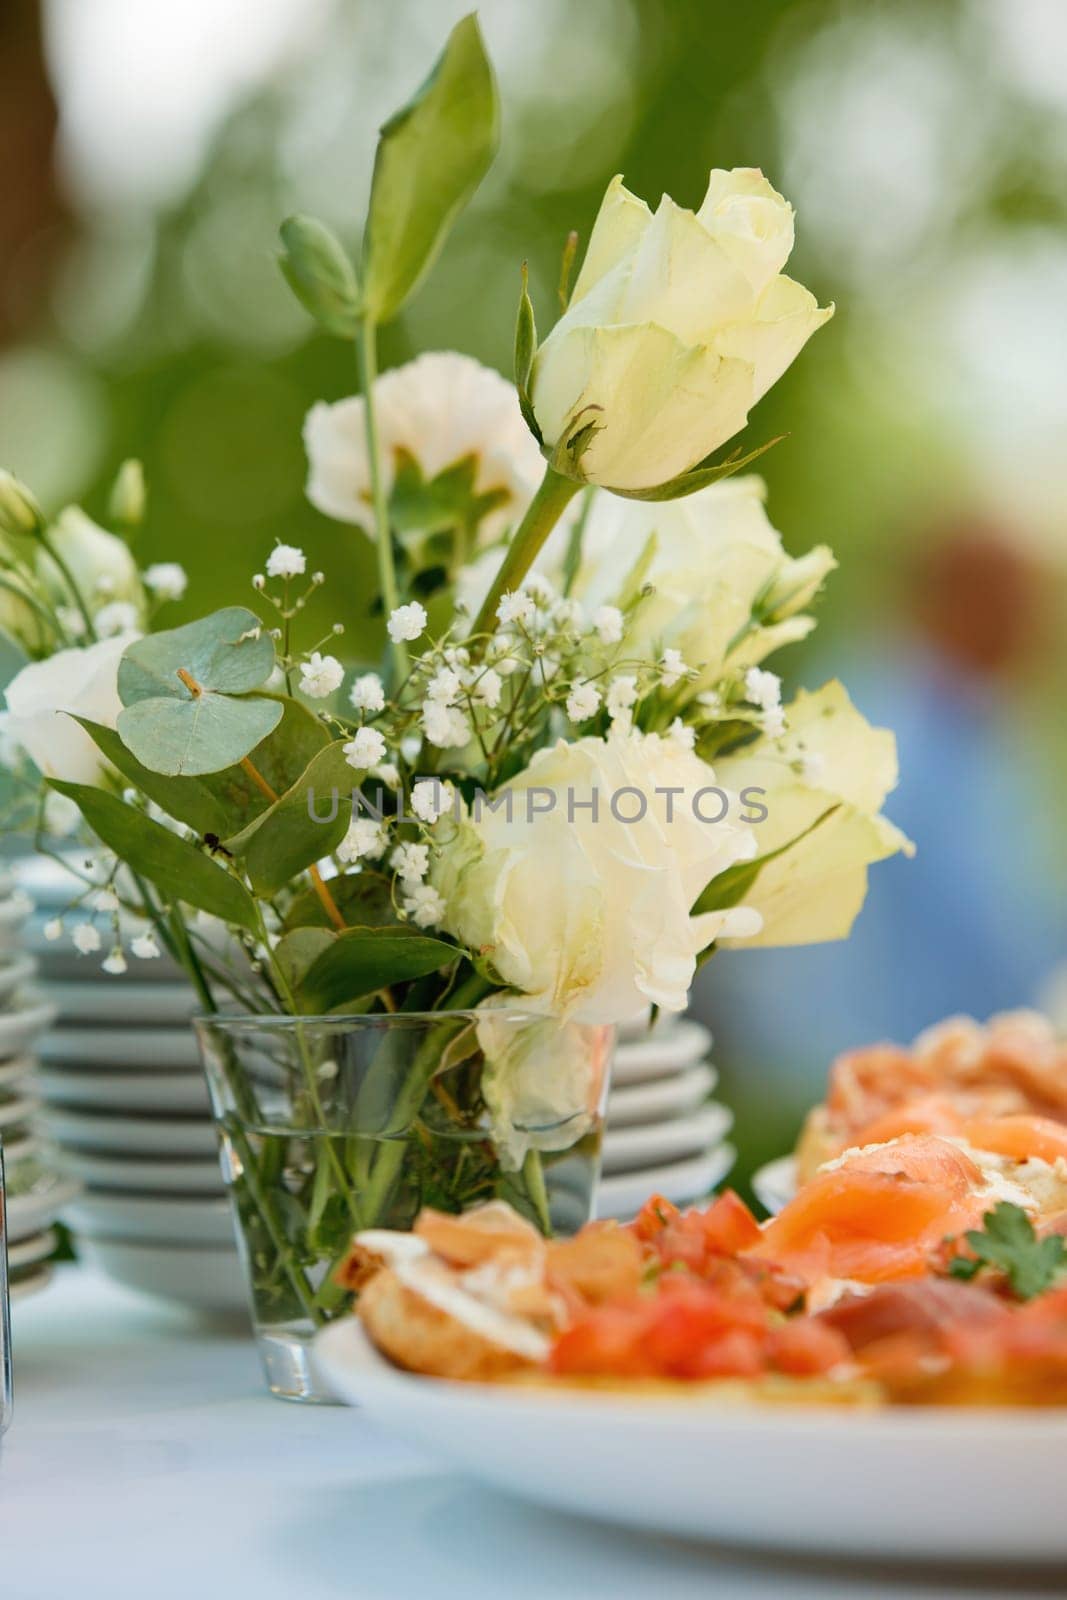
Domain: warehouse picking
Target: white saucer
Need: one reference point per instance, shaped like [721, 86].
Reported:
[626, 1149]
[38, 1208]
[669, 1047]
[127, 1091]
[210, 1279]
[132, 1135]
[140, 1049]
[36, 1247]
[12, 1112]
[650, 1102]
[144, 1174]
[139, 1004]
[681, 1181]
[18, 1029]
[14, 971]
[13, 1072]
[144, 1219]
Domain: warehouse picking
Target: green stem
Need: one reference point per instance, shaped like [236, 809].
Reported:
[68, 578]
[533, 1175]
[542, 514]
[368, 372]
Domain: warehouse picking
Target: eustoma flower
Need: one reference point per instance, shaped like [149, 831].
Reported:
[679, 322]
[45, 697]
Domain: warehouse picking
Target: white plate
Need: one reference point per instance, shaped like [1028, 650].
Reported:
[127, 1091]
[141, 1049]
[775, 1184]
[146, 1174]
[31, 1285]
[669, 1047]
[628, 1148]
[18, 1029]
[907, 1483]
[209, 1279]
[14, 970]
[650, 1102]
[38, 1207]
[135, 1136]
[680, 1181]
[145, 1218]
[13, 1112]
[143, 1004]
[37, 1247]
[13, 1072]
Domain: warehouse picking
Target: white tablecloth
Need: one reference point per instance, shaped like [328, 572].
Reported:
[146, 1460]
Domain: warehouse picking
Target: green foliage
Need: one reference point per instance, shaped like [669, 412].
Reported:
[700, 476]
[316, 267]
[431, 157]
[177, 868]
[363, 899]
[365, 960]
[186, 693]
[287, 838]
[1008, 1244]
[525, 350]
[296, 952]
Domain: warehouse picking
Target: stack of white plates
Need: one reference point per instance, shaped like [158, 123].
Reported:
[125, 1111]
[664, 1135]
[34, 1194]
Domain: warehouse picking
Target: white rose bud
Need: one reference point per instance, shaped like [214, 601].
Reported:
[44, 698]
[679, 323]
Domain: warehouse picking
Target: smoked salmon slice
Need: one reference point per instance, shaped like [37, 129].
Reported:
[1018, 1137]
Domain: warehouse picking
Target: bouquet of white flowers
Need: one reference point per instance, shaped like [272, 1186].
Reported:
[571, 778]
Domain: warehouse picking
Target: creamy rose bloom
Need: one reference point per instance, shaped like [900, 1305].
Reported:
[439, 409]
[588, 916]
[44, 698]
[543, 1080]
[711, 558]
[829, 757]
[679, 322]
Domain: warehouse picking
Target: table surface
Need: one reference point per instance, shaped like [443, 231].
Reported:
[145, 1458]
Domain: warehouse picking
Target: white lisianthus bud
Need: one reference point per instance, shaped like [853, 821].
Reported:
[19, 512]
[679, 322]
[406, 622]
[46, 696]
[100, 564]
[128, 494]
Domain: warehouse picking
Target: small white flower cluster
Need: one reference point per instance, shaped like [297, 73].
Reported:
[764, 689]
[88, 940]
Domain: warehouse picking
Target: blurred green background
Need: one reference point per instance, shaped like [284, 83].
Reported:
[148, 152]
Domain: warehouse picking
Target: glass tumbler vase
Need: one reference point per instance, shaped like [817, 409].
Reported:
[329, 1125]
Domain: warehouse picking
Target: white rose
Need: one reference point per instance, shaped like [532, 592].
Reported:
[713, 560]
[440, 410]
[100, 564]
[586, 914]
[830, 757]
[543, 1081]
[44, 698]
[679, 322]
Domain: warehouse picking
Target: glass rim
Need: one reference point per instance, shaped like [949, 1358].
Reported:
[235, 1018]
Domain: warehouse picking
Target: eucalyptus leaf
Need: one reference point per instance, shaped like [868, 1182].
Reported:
[205, 733]
[316, 267]
[364, 960]
[229, 651]
[177, 868]
[431, 157]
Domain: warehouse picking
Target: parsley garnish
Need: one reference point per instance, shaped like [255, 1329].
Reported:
[1008, 1243]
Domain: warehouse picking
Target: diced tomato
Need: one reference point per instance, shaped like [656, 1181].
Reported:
[653, 1217]
[804, 1348]
[737, 1353]
[728, 1225]
[607, 1341]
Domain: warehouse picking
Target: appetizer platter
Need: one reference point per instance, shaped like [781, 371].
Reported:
[856, 1374]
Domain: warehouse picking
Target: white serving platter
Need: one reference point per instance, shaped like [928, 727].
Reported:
[683, 1182]
[12, 1073]
[18, 1029]
[138, 1049]
[133, 1135]
[144, 1174]
[667, 1049]
[892, 1484]
[15, 970]
[140, 1004]
[19, 1109]
[650, 1102]
[208, 1278]
[152, 1219]
[184, 1092]
[38, 1208]
[31, 1285]
[628, 1149]
[36, 1247]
